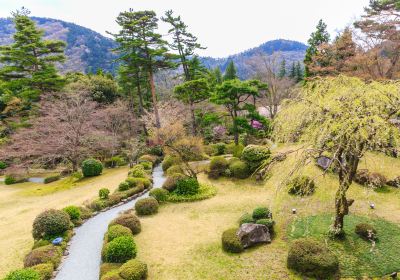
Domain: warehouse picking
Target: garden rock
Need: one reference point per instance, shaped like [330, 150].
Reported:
[324, 162]
[252, 234]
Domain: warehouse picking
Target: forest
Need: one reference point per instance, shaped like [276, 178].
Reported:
[167, 165]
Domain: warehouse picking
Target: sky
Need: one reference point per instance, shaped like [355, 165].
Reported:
[225, 27]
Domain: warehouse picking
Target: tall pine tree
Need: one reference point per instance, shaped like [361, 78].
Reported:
[282, 69]
[29, 61]
[230, 72]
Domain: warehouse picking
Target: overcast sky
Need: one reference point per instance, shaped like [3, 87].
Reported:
[224, 26]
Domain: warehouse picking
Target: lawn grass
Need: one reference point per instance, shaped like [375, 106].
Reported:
[20, 203]
[357, 257]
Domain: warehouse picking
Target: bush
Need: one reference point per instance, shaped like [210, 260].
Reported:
[217, 166]
[97, 205]
[147, 165]
[231, 242]
[301, 185]
[151, 158]
[136, 182]
[366, 231]
[123, 186]
[115, 198]
[133, 270]
[370, 179]
[169, 161]
[104, 193]
[175, 169]
[45, 270]
[50, 223]
[235, 150]
[137, 171]
[77, 175]
[187, 187]
[156, 150]
[255, 155]
[246, 219]
[73, 212]
[261, 213]
[159, 194]
[394, 182]
[112, 275]
[91, 167]
[116, 231]
[128, 220]
[86, 213]
[114, 161]
[239, 169]
[312, 259]
[40, 243]
[120, 250]
[50, 179]
[220, 149]
[108, 267]
[9, 180]
[45, 254]
[3, 165]
[146, 206]
[23, 274]
[269, 223]
[172, 180]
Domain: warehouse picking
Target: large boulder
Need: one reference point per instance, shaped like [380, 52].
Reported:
[251, 234]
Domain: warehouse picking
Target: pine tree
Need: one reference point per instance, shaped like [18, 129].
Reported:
[29, 61]
[183, 41]
[230, 72]
[292, 73]
[299, 72]
[282, 69]
[319, 37]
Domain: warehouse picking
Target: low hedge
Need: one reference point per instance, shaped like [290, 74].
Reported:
[23, 274]
[231, 242]
[312, 259]
[205, 192]
[133, 270]
[50, 179]
[112, 275]
[45, 270]
[45, 254]
[108, 267]
[160, 194]
[146, 206]
[134, 182]
[128, 220]
[120, 250]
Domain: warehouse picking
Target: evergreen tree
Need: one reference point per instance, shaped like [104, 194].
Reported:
[230, 72]
[299, 72]
[183, 41]
[282, 69]
[292, 73]
[29, 61]
[319, 37]
[217, 75]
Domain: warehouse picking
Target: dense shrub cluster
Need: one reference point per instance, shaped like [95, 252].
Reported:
[114, 162]
[147, 165]
[231, 242]
[137, 171]
[187, 187]
[261, 213]
[172, 180]
[128, 220]
[370, 179]
[239, 169]
[119, 250]
[255, 155]
[116, 231]
[301, 185]
[133, 270]
[217, 167]
[160, 195]
[169, 161]
[366, 231]
[312, 259]
[91, 167]
[50, 223]
[104, 193]
[73, 212]
[23, 274]
[219, 149]
[146, 206]
[52, 178]
[3, 165]
[45, 270]
[175, 169]
[44, 254]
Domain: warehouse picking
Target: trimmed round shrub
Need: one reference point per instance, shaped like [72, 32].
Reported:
[370, 179]
[50, 223]
[137, 171]
[120, 250]
[104, 193]
[147, 165]
[366, 231]
[108, 267]
[255, 155]
[261, 213]
[9, 180]
[168, 162]
[115, 198]
[3, 165]
[73, 212]
[91, 167]
[172, 180]
[246, 219]
[128, 220]
[175, 169]
[220, 149]
[116, 231]
[112, 275]
[269, 223]
[217, 166]
[45, 270]
[301, 185]
[231, 242]
[146, 206]
[135, 182]
[187, 187]
[133, 270]
[311, 258]
[45, 254]
[123, 186]
[23, 274]
[239, 169]
[160, 194]
[86, 213]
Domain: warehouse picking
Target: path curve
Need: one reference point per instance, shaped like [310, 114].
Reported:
[84, 259]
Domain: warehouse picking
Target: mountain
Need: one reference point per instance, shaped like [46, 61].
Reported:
[291, 51]
[88, 50]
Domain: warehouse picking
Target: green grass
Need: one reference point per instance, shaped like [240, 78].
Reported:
[357, 257]
[205, 191]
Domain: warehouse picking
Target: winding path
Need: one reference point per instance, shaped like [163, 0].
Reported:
[83, 261]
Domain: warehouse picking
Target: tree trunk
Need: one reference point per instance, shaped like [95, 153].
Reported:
[141, 106]
[235, 129]
[154, 98]
[194, 126]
